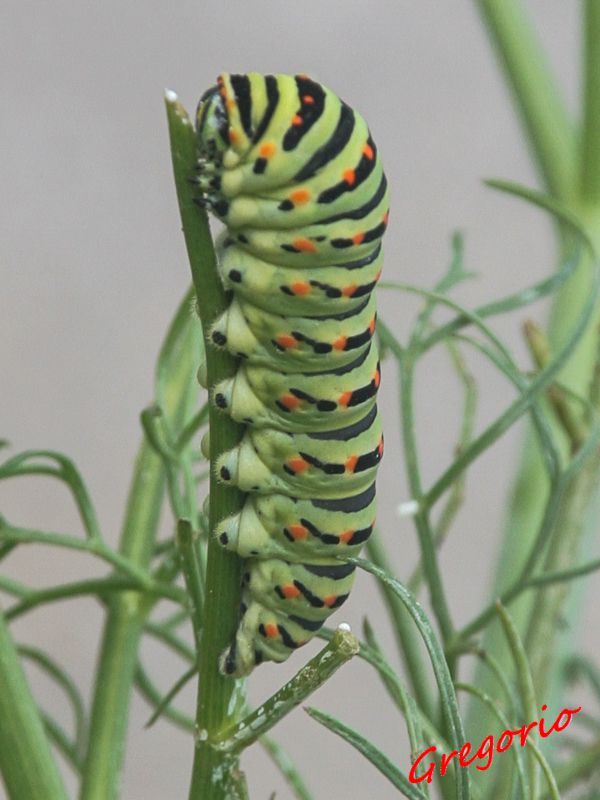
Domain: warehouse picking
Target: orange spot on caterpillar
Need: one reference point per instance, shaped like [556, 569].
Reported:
[380, 447]
[304, 245]
[298, 464]
[377, 276]
[346, 536]
[289, 401]
[358, 238]
[386, 217]
[300, 287]
[286, 341]
[329, 600]
[377, 378]
[267, 149]
[372, 326]
[230, 104]
[351, 463]
[344, 398]
[339, 343]
[348, 291]
[308, 100]
[271, 630]
[296, 119]
[298, 531]
[290, 591]
[349, 176]
[300, 196]
[233, 136]
[368, 151]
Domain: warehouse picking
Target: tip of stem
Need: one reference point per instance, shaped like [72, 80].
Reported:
[171, 96]
[344, 626]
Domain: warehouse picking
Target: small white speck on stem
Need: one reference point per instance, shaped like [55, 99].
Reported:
[202, 735]
[408, 509]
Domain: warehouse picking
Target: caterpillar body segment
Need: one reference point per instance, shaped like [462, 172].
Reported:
[306, 401]
[294, 529]
[332, 464]
[295, 176]
[295, 343]
[291, 291]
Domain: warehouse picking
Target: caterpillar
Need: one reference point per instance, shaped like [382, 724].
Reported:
[293, 173]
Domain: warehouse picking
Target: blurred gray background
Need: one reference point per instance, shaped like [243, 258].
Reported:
[93, 264]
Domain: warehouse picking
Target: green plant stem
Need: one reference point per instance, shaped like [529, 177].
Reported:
[27, 766]
[525, 689]
[122, 631]
[549, 130]
[407, 638]
[62, 680]
[61, 742]
[128, 611]
[96, 547]
[65, 471]
[212, 771]
[424, 531]
[457, 491]
[102, 587]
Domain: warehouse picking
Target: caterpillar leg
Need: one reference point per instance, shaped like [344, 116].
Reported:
[242, 467]
[262, 635]
[202, 375]
[232, 331]
[243, 533]
[236, 397]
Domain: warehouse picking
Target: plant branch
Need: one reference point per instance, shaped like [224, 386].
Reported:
[404, 631]
[101, 587]
[215, 712]
[424, 531]
[26, 763]
[341, 648]
[549, 130]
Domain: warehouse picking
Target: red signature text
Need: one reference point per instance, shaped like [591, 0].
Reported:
[488, 747]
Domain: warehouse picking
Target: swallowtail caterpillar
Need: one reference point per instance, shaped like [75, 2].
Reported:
[295, 176]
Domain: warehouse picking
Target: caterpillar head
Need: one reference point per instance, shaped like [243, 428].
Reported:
[212, 125]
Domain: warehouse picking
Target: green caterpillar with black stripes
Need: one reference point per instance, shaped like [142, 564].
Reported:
[293, 173]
